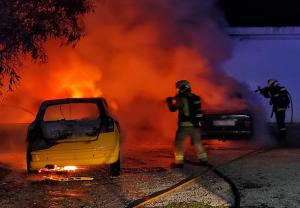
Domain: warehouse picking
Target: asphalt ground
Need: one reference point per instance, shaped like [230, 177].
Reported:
[264, 179]
[137, 180]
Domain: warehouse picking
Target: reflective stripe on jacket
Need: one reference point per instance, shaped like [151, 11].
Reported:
[189, 109]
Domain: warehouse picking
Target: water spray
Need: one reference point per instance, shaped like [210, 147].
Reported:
[18, 107]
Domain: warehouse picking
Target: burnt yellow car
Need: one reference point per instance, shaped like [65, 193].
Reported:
[72, 133]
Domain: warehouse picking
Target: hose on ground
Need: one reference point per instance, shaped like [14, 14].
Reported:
[159, 194]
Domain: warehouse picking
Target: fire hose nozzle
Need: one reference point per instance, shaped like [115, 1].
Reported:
[169, 99]
[258, 89]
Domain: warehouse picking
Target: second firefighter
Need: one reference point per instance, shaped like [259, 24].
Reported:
[188, 105]
[280, 100]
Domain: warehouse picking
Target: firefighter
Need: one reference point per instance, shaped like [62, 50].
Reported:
[189, 116]
[279, 99]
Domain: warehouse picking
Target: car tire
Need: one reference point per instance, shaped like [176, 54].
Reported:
[115, 168]
[28, 159]
[29, 172]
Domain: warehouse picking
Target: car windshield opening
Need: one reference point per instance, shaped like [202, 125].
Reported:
[72, 111]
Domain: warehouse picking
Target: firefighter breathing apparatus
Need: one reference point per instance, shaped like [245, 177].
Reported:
[291, 105]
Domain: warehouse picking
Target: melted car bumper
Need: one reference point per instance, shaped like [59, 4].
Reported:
[73, 158]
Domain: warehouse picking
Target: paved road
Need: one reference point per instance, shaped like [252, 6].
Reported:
[268, 179]
[265, 179]
[140, 177]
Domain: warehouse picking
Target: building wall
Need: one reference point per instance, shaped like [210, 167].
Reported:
[263, 53]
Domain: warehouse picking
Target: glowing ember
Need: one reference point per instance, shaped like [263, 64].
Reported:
[70, 168]
[59, 169]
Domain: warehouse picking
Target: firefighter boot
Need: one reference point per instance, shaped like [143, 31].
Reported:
[177, 165]
[282, 136]
[203, 161]
[179, 158]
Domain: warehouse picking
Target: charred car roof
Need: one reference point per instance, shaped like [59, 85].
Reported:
[72, 100]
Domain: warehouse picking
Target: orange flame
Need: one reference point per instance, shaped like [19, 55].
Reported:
[70, 168]
[133, 55]
[60, 169]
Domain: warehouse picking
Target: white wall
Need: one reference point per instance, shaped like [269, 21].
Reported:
[264, 53]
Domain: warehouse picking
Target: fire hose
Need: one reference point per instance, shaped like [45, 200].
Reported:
[77, 178]
[159, 194]
[292, 108]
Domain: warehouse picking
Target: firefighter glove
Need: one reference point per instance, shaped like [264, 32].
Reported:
[169, 99]
[258, 89]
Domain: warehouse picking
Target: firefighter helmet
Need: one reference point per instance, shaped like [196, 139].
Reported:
[272, 82]
[183, 84]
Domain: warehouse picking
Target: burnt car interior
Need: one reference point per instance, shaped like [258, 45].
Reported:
[67, 120]
[71, 120]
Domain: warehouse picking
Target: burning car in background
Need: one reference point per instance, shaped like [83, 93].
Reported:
[227, 125]
[71, 133]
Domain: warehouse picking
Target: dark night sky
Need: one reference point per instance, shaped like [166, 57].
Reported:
[251, 13]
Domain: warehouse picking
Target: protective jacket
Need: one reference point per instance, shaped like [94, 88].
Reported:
[278, 97]
[189, 109]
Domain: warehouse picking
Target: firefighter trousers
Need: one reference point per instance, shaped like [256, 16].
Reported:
[280, 119]
[195, 134]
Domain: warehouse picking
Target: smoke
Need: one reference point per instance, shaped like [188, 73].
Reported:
[144, 47]
[134, 52]
[261, 135]
[12, 149]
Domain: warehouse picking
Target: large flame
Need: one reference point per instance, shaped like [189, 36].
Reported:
[134, 52]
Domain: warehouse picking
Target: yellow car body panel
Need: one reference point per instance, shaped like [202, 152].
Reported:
[83, 151]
